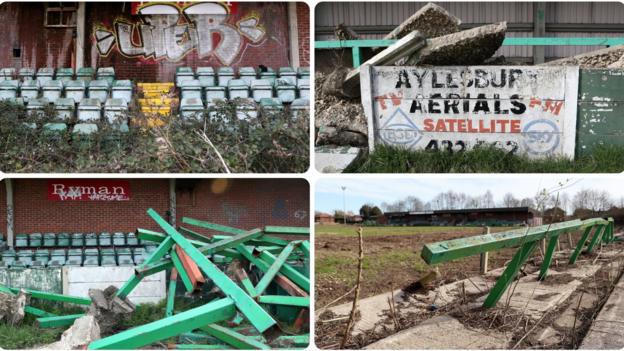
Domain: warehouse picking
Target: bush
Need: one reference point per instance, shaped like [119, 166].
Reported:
[266, 144]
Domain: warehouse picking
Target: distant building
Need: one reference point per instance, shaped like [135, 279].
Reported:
[465, 217]
[323, 218]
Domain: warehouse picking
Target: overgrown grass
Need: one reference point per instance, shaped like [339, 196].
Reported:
[350, 230]
[386, 159]
[276, 143]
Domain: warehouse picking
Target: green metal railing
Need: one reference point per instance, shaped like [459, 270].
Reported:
[527, 239]
[356, 45]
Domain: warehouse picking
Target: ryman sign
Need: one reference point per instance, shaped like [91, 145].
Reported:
[88, 190]
[524, 109]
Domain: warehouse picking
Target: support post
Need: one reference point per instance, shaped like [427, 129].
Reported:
[596, 238]
[548, 254]
[293, 34]
[9, 212]
[580, 245]
[483, 263]
[80, 34]
[173, 279]
[509, 274]
[539, 30]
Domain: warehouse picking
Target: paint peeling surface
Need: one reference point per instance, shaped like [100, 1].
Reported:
[523, 109]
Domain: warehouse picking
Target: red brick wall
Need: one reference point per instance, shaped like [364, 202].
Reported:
[303, 22]
[242, 203]
[271, 50]
[22, 28]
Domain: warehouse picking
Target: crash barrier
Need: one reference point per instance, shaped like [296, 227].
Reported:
[356, 45]
[272, 288]
[527, 240]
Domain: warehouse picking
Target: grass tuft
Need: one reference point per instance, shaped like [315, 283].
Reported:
[485, 159]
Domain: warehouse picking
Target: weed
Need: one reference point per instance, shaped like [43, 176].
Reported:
[485, 159]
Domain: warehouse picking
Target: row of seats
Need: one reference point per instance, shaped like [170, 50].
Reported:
[75, 90]
[284, 90]
[36, 240]
[246, 108]
[75, 257]
[209, 77]
[45, 74]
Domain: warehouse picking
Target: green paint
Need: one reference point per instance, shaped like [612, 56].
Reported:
[181, 272]
[256, 315]
[305, 248]
[596, 238]
[272, 229]
[57, 321]
[212, 226]
[298, 301]
[268, 276]
[167, 327]
[195, 235]
[552, 245]
[580, 245]
[37, 312]
[233, 338]
[171, 297]
[43, 295]
[509, 274]
[202, 347]
[301, 280]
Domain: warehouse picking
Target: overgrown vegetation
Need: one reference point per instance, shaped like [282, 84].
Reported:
[275, 142]
[485, 159]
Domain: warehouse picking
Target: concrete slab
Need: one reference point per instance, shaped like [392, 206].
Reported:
[441, 332]
[334, 159]
[403, 48]
[602, 58]
[468, 47]
[374, 309]
[607, 331]
[430, 20]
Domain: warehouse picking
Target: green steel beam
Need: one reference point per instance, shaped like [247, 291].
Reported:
[233, 338]
[230, 242]
[131, 283]
[37, 312]
[167, 327]
[552, 245]
[159, 237]
[335, 44]
[202, 347]
[292, 274]
[305, 248]
[298, 301]
[509, 274]
[44, 295]
[58, 321]
[267, 278]
[212, 226]
[293, 340]
[596, 238]
[580, 245]
[272, 229]
[256, 315]
[188, 285]
[195, 235]
[458, 248]
[152, 268]
[264, 266]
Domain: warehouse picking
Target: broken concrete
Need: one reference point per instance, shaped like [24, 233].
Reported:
[334, 159]
[468, 47]
[430, 20]
[443, 332]
[602, 58]
[343, 32]
[78, 336]
[108, 309]
[340, 121]
[606, 332]
[12, 307]
[566, 319]
[399, 50]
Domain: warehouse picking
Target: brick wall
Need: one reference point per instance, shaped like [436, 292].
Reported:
[303, 22]
[270, 51]
[242, 203]
[38, 46]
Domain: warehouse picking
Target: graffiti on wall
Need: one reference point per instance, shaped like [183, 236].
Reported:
[522, 109]
[169, 31]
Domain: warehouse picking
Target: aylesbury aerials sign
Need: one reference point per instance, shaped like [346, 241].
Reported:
[523, 109]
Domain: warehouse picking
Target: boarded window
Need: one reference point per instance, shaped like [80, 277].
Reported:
[60, 14]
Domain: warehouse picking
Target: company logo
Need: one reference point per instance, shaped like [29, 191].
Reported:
[400, 130]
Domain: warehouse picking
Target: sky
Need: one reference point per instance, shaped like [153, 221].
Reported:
[387, 188]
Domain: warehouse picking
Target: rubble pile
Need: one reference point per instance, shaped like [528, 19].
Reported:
[257, 294]
[430, 20]
[612, 57]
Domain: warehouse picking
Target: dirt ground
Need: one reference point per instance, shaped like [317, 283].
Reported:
[391, 262]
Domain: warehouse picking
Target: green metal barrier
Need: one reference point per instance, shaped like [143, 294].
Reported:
[527, 239]
[356, 45]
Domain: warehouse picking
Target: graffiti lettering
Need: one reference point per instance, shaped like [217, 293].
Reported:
[163, 35]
